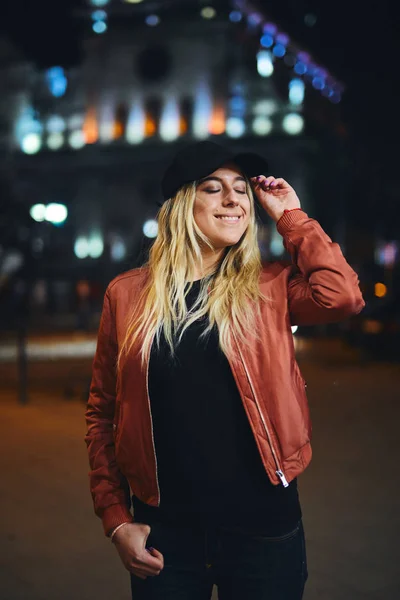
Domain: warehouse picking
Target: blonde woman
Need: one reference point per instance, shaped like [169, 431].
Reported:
[197, 412]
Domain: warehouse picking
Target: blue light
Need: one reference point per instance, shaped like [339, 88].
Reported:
[319, 72]
[99, 15]
[312, 70]
[254, 19]
[99, 2]
[279, 50]
[296, 91]
[318, 83]
[99, 27]
[335, 97]
[152, 20]
[304, 57]
[56, 81]
[235, 16]
[267, 40]
[237, 105]
[300, 68]
[270, 28]
[282, 38]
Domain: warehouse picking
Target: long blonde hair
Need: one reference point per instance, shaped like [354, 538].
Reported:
[229, 295]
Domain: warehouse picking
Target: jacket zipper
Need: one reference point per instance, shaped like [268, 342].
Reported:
[151, 418]
[279, 471]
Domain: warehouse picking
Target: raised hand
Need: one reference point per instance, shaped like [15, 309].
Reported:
[275, 195]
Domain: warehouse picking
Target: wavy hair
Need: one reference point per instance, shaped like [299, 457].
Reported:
[229, 294]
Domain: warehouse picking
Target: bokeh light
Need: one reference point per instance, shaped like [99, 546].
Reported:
[56, 81]
[150, 228]
[56, 213]
[235, 16]
[81, 247]
[235, 127]
[279, 50]
[265, 65]
[265, 107]
[55, 141]
[293, 123]
[38, 212]
[76, 139]
[262, 125]
[208, 12]
[96, 245]
[170, 120]
[99, 27]
[55, 124]
[380, 290]
[296, 91]
[31, 143]
[152, 20]
[267, 40]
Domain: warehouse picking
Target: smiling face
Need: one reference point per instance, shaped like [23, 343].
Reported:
[222, 206]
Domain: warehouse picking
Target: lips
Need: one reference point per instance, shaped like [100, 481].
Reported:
[229, 218]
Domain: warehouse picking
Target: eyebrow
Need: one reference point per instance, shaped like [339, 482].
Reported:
[238, 178]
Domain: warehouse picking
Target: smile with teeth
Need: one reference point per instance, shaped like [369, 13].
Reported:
[230, 219]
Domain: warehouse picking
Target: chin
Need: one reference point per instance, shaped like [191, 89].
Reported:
[226, 243]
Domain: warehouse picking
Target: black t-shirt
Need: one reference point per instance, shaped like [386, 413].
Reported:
[209, 467]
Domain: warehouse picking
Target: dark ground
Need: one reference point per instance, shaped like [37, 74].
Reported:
[52, 545]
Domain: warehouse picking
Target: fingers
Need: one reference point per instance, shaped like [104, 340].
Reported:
[158, 556]
[269, 183]
[151, 564]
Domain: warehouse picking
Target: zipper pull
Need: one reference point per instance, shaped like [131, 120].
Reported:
[282, 478]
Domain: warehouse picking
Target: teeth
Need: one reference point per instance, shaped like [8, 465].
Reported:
[229, 218]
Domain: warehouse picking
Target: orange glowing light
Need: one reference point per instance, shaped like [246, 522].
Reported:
[380, 290]
[217, 122]
[91, 127]
[183, 125]
[149, 126]
[118, 130]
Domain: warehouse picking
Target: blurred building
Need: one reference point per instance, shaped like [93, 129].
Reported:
[86, 146]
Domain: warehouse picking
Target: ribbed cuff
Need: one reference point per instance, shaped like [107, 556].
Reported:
[115, 515]
[288, 219]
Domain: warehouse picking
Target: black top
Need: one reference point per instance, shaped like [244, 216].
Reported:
[209, 466]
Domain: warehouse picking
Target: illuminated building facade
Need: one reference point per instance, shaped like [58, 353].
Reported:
[155, 75]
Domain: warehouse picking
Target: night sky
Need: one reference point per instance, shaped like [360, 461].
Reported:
[355, 41]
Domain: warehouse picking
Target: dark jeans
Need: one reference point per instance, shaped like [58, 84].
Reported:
[242, 564]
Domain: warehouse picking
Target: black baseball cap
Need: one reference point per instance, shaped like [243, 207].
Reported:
[197, 160]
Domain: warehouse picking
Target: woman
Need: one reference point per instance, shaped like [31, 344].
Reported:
[197, 405]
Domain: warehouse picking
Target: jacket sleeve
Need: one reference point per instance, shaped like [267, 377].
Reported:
[108, 486]
[322, 287]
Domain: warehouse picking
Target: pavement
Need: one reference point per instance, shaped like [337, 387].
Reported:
[52, 545]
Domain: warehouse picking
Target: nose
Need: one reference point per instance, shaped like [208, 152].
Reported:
[230, 198]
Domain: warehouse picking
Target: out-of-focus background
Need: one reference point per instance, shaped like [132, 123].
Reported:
[95, 98]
